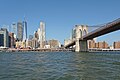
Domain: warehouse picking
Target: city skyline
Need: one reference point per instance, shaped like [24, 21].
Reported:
[59, 17]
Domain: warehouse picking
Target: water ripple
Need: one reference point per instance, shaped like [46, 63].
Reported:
[59, 66]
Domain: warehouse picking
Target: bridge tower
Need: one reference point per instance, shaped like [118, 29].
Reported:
[78, 32]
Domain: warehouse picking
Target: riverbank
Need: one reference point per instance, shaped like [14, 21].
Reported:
[37, 50]
[104, 50]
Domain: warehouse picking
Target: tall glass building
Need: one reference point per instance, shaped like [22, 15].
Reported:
[4, 38]
[14, 29]
[20, 31]
[24, 30]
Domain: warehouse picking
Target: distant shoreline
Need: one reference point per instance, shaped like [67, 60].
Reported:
[56, 50]
[104, 50]
[38, 50]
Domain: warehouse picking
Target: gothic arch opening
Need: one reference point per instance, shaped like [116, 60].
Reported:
[84, 32]
[80, 33]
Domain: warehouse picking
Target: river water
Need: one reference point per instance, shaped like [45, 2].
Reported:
[60, 66]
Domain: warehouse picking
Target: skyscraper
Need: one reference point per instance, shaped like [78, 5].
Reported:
[4, 38]
[39, 36]
[11, 40]
[24, 30]
[36, 35]
[19, 31]
[42, 34]
[14, 29]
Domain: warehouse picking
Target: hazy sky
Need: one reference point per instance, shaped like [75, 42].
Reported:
[60, 16]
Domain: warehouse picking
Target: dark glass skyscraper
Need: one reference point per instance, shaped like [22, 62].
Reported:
[1, 39]
[24, 30]
[4, 37]
[20, 31]
[14, 29]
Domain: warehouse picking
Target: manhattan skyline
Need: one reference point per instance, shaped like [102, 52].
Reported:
[61, 16]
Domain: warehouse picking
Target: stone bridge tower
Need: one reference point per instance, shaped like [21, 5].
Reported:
[78, 32]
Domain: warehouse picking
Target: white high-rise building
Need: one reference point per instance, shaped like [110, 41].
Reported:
[41, 33]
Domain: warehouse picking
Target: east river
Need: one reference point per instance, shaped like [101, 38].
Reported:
[60, 66]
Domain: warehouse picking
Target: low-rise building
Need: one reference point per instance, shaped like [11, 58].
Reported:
[35, 43]
[100, 45]
[116, 45]
[20, 44]
[105, 45]
[54, 43]
[91, 44]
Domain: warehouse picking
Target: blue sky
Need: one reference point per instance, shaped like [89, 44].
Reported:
[61, 15]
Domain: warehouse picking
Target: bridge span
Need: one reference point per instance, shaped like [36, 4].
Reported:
[81, 42]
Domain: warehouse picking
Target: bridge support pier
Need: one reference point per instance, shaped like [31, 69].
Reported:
[81, 46]
[77, 48]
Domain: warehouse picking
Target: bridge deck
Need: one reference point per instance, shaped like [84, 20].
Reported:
[107, 28]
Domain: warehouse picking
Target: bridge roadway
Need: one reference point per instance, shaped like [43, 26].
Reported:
[107, 28]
